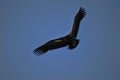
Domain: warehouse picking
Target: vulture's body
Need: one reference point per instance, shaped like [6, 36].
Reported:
[68, 40]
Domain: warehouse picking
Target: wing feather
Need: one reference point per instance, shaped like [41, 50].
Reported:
[52, 44]
[79, 16]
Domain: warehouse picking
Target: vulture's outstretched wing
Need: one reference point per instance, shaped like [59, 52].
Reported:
[53, 44]
[79, 16]
[69, 40]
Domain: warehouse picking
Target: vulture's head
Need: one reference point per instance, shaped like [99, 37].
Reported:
[73, 43]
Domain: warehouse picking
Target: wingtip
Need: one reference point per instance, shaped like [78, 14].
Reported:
[82, 9]
[82, 12]
[38, 52]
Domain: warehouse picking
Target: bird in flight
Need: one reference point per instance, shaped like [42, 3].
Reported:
[68, 40]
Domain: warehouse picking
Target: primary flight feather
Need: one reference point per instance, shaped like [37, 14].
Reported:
[68, 40]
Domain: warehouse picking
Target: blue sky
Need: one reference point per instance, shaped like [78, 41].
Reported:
[27, 24]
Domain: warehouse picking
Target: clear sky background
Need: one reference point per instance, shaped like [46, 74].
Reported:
[27, 24]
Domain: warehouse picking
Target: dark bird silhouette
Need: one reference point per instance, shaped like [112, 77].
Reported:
[68, 40]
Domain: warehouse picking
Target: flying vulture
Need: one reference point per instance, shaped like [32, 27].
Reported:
[68, 40]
